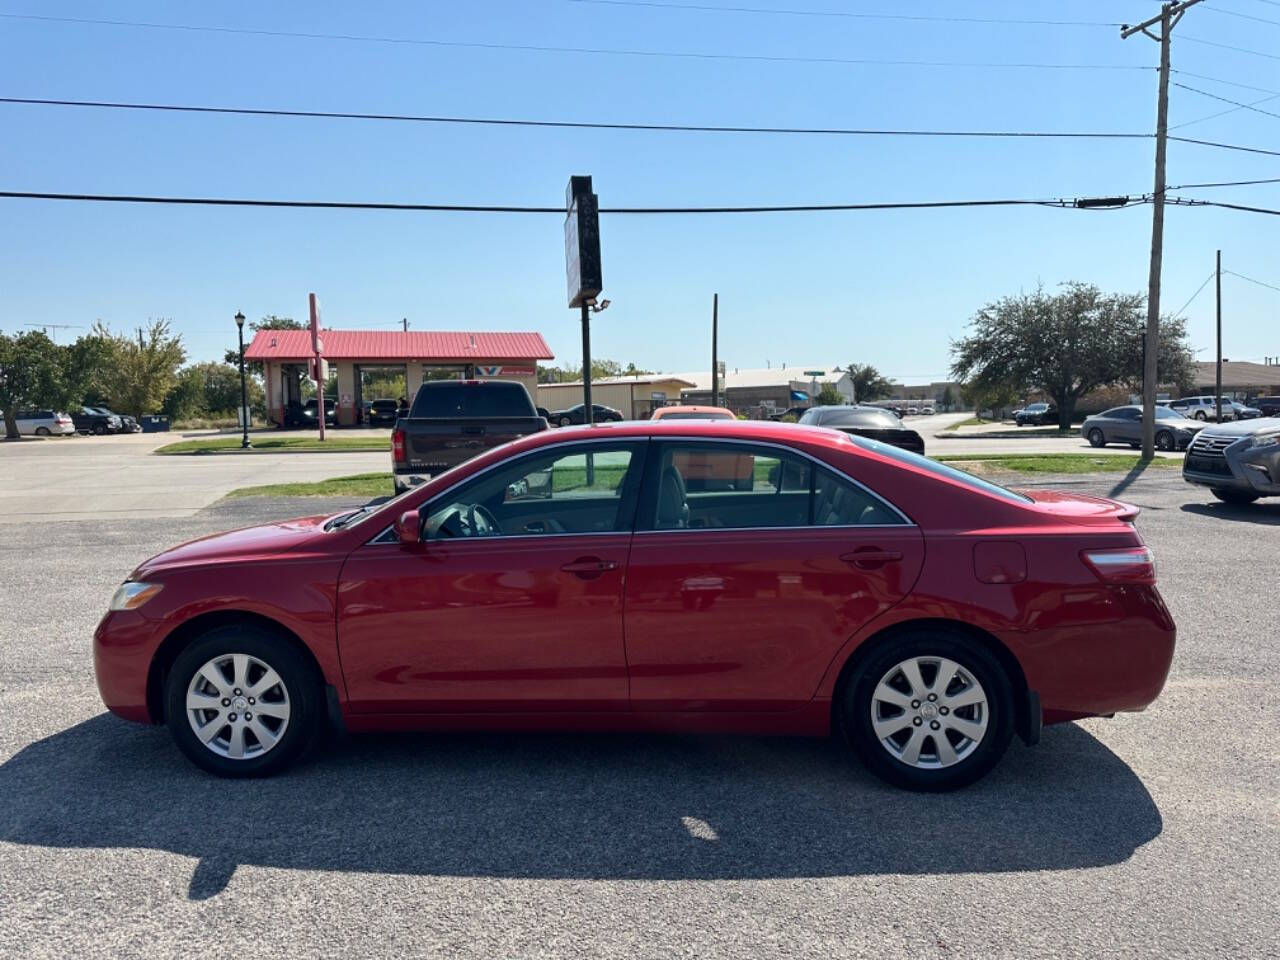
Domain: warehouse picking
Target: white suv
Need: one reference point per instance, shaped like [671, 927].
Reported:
[1203, 408]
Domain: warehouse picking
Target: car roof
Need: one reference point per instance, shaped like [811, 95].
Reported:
[691, 408]
[763, 431]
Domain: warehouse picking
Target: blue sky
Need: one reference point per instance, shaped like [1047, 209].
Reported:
[890, 288]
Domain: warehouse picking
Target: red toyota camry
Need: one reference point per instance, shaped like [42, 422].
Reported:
[678, 576]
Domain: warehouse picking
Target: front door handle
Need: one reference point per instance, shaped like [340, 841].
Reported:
[588, 568]
[871, 558]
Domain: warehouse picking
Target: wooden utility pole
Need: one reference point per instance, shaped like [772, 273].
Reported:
[715, 366]
[1170, 14]
[1217, 385]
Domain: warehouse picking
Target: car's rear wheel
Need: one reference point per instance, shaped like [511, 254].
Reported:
[1201, 415]
[565, 421]
[929, 710]
[242, 702]
[1096, 439]
[1238, 497]
[42, 431]
[99, 430]
[1165, 441]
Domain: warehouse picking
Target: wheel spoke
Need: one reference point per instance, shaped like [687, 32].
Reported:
[911, 670]
[213, 674]
[203, 701]
[235, 750]
[278, 710]
[265, 737]
[887, 728]
[968, 728]
[911, 752]
[946, 752]
[887, 694]
[946, 670]
[211, 729]
[264, 683]
[240, 669]
[967, 697]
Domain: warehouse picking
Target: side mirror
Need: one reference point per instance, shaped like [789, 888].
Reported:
[409, 528]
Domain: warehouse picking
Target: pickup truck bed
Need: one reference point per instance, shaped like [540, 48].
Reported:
[452, 421]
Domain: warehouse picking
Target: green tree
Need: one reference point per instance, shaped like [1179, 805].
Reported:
[948, 398]
[868, 384]
[32, 374]
[269, 322]
[142, 371]
[205, 389]
[829, 396]
[1065, 345]
[185, 400]
[569, 373]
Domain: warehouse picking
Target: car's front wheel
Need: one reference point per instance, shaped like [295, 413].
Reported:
[565, 421]
[1096, 439]
[1165, 441]
[1238, 497]
[929, 710]
[242, 702]
[1201, 415]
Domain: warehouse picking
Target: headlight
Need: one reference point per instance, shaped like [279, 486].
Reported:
[131, 595]
[1266, 440]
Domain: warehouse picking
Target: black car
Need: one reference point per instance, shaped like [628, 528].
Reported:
[93, 420]
[1036, 414]
[383, 413]
[576, 414]
[797, 412]
[128, 424]
[309, 413]
[1270, 406]
[874, 423]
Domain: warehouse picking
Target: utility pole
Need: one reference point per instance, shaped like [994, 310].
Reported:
[405, 323]
[1217, 386]
[1170, 14]
[715, 322]
[587, 410]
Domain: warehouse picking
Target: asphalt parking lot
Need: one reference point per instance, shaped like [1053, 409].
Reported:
[1150, 835]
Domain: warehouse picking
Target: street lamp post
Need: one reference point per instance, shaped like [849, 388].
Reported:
[244, 389]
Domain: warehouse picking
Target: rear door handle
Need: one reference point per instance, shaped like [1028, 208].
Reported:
[588, 568]
[871, 558]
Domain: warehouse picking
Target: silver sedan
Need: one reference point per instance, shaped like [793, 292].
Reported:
[1124, 425]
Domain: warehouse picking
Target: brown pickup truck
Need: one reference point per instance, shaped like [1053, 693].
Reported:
[452, 421]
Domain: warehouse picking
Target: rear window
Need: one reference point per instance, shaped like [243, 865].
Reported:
[489, 399]
[383, 405]
[695, 416]
[938, 469]
[873, 419]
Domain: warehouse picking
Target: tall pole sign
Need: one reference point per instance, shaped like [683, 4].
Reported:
[317, 347]
[582, 266]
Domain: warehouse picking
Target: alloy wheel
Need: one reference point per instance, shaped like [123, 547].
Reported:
[238, 706]
[929, 712]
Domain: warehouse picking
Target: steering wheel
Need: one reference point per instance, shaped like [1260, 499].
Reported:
[480, 522]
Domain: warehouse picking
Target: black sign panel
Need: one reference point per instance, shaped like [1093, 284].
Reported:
[582, 241]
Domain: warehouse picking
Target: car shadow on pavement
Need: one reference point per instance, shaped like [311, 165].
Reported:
[1265, 511]
[588, 807]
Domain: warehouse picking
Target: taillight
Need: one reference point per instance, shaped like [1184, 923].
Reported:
[1125, 565]
[397, 445]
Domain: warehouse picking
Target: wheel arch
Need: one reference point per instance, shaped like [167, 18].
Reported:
[188, 631]
[1026, 725]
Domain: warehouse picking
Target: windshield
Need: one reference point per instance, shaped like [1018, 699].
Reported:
[710, 415]
[488, 399]
[1037, 407]
[1164, 413]
[939, 469]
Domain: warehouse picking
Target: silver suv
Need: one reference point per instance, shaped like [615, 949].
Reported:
[1203, 408]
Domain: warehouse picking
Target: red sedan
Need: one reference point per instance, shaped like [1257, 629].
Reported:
[574, 580]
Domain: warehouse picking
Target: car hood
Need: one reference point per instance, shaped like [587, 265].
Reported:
[1243, 428]
[1079, 507]
[248, 543]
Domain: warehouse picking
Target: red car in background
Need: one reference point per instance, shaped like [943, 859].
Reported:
[572, 580]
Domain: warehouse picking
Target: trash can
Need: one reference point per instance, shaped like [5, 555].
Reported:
[157, 423]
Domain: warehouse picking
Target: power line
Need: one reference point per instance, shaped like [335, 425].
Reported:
[1229, 83]
[1192, 298]
[1238, 105]
[1194, 202]
[1243, 16]
[1227, 46]
[794, 12]
[571, 124]
[1223, 113]
[1227, 146]
[1224, 183]
[1251, 280]
[537, 48]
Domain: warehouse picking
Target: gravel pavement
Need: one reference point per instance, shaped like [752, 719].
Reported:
[1150, 835]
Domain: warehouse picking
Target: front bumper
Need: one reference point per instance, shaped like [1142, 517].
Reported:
[1240, 466]
[123, 647]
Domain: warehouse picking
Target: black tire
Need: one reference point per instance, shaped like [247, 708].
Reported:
[1135, 446]
[1096, 439]
[1201, 415]
[565, 421]
[42, 431]
[302, 686]
[1237, 497]
[972, 659]
[1165, 441]
[99, 430]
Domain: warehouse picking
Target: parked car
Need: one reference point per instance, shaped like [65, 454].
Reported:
[44, 423]
[1269, 406]
[927, 411]
[92, 420]
[693, 412]
[128, 424]
[544, 413]
[492, 598]
[912, 410]
[796, 412]
[1124, 425]
[875, 423]
[1036, 414]
[1202, 408]
[383, 413]
[576, 415]
[1245, 412]
[1239, 462]
[452, 421]
[309, 413]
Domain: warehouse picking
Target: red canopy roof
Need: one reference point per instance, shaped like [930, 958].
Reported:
[427, 345]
